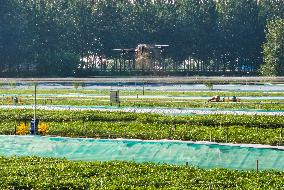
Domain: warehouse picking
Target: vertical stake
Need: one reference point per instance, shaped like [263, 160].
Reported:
[257, 165]
[143, 88]
[25, 119]
[35, 106]
[186, 163]
[281, 135]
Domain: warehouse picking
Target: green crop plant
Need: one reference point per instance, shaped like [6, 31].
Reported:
[126, 92]
[12, 84]
[209, 85]
[77, 84]
[50, 173]
[261, 121]
[218, 128]
[132, 102]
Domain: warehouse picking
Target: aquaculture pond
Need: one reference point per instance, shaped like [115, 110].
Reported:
[203, 155]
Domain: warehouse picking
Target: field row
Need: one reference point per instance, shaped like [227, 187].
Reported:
[259, 121]
[262, 105]
[139, 91]
[152, 131]
[48, 173]
[217, 128]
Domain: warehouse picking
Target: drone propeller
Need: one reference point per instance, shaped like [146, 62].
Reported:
[161, 46]
[130, 49]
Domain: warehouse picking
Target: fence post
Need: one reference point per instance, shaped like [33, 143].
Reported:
[143, 88]
[257, 165]
[25, 119]
[281, 135]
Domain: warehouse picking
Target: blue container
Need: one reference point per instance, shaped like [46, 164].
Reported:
[34, 127]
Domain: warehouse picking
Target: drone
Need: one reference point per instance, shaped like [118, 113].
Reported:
[123, 51]
[142, 48]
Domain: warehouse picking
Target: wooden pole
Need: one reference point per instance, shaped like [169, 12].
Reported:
[143, 88]
[35, 106]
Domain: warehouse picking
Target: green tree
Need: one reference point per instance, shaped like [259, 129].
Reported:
[272, 9]
[273, 49]
[194, 29]
[240, 34]
[13, 37]
[48, 38]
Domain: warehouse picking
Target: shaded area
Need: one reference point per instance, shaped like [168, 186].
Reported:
[201, 155]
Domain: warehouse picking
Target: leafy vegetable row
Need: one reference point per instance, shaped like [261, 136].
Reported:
[255, 104]
[259, 121]
[137, 130]
[49, 173]
[138, 90]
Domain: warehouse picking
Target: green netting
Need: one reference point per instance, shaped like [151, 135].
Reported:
[201, 155]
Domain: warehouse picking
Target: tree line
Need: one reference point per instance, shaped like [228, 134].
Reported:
[50, 37]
